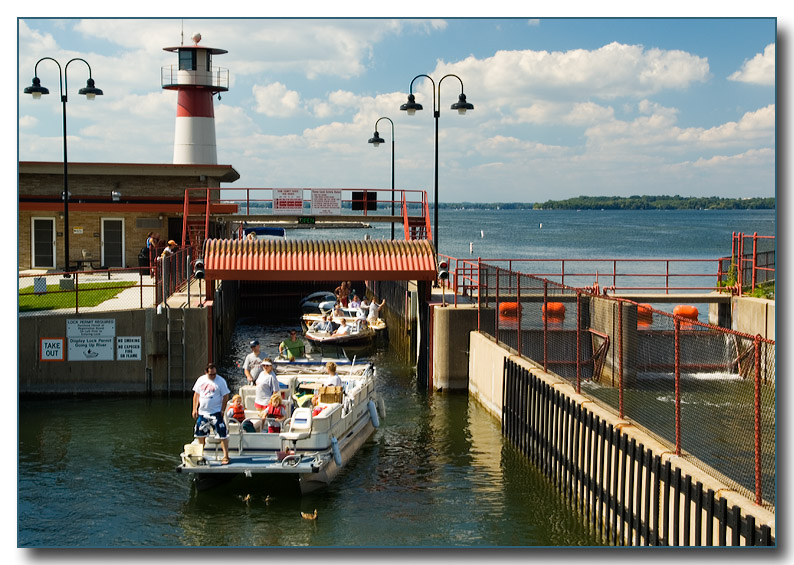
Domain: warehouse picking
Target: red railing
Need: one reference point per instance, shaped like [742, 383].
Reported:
[659, 275]
[751, 267]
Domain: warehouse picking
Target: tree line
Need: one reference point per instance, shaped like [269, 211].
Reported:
[657, 203]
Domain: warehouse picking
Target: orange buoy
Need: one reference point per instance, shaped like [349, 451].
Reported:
[509, 309]
[686, 311]
[644, 315]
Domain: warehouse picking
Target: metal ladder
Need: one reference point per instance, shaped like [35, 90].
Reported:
[176, 347]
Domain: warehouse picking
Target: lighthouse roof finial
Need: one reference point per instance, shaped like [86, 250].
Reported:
[196, 37]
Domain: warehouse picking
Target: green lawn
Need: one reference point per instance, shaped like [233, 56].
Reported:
[89, 294]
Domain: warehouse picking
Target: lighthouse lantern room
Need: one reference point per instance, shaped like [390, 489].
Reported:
[196, 82]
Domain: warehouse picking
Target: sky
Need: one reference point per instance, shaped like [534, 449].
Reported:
[563, 107]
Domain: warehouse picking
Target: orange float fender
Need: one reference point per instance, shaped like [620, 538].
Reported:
[686, 311]
[509, 309]
[554, 309]
[644, 314]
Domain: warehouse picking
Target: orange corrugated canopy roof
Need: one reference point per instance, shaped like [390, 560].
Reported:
[306, 260]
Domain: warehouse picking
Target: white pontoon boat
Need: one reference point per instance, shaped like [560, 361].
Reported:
[314, 443]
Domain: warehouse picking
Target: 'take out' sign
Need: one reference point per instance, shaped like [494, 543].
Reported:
[51, 349]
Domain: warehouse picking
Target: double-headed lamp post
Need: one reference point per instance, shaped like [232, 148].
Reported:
[412, 106]
[376, 140]
[90, 92]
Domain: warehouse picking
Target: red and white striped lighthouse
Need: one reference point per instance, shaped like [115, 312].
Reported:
[196, 81]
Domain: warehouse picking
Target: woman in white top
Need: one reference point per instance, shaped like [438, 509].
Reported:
[266, 385]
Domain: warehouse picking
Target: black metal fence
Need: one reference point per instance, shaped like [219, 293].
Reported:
[628, 494]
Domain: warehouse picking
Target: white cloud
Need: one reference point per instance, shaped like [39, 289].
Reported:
[758, 70]
[276, 101]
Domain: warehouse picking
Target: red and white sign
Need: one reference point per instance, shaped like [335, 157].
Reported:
[288, 201]
[326, 202]
[51, 349]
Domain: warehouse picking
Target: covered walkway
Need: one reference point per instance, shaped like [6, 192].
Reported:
[304, 260]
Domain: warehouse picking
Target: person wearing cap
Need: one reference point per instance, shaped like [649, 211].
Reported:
[169, 249]
[292, 347]
[252, 364]
[266, 385]
[210, 395]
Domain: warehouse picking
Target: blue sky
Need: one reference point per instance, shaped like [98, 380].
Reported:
[562, 107]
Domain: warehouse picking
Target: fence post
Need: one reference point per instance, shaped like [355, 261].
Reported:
[479, 291]
[518, 309]
[620, 356]
[739, 262]
[76, 293]
[677, 323]
[755, 256]
[578, 343]
[544, 312]
[757, 414]
[496, 331]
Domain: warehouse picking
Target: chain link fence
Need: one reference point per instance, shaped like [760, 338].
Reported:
[707, 392]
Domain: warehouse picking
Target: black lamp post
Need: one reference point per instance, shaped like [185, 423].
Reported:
[90, 91]
[376, 140]
[412, 106]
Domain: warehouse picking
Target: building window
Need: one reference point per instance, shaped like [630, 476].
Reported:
[187, 60]
[209, 61]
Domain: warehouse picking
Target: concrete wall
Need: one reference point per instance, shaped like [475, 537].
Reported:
[451, 327]
[753, 316]
[144, 376]
[486, 366]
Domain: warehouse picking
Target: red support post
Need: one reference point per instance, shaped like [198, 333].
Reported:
[545, 325]
[677, 386]
[518, 309]
[757, 413]
[496, 330]
[620, 357]
[755, 256]
[578, 343]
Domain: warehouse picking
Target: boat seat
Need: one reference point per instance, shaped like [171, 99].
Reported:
[300, 425]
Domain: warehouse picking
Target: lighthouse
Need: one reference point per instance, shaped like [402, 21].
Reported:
[196, 82]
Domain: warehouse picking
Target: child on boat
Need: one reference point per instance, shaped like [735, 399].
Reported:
[274, 413]
[236, 411]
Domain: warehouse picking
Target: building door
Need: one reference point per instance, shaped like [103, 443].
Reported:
[42, 243]
[113, 242]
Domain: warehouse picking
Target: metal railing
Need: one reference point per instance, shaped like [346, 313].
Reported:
[217, 77]
[85, 291]
[752, 261]
[666, 373]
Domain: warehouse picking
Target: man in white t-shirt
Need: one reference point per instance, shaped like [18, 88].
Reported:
[374, 309]
[210, 394]
[253, 363]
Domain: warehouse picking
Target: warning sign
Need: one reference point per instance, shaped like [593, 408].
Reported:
[51, 349]
[128, 348]
[326, 202]
[288, 201]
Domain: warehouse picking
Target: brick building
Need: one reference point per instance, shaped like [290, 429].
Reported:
[113, 206]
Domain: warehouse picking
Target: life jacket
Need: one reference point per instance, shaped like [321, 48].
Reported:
[274, 412]
[237, 412]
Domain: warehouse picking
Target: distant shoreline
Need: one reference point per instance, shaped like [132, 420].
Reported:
[623, 203]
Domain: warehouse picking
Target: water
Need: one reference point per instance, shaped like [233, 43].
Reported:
[100, 472]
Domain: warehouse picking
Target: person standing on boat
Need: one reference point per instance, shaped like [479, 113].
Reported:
[292, 347]
[355, 302]
[253, 363]
[266, 385]
[210, 395]
[374, 309]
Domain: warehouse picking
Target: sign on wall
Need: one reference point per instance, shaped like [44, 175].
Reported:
[288, 201]
[128, 348]
[51, 349]
[326, 202]
[90, 340]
